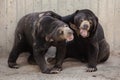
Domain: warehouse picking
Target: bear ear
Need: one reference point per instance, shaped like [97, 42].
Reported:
[73, 26]
[77, 11]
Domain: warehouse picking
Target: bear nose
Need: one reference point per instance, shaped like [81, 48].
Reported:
[70, 32]
[85, 26]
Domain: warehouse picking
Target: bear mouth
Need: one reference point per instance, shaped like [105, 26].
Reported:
[69, 38]
[84, 33]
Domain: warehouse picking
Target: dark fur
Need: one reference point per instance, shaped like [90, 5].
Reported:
[30, 36]
[93, 49]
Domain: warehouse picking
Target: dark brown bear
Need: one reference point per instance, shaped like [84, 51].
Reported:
[35, 33]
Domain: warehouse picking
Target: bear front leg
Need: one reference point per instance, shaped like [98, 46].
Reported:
[31, 60]
[39, 56]
[60, 55]
[92, 57]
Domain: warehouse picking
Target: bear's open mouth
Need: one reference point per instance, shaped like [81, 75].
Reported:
[84, 33]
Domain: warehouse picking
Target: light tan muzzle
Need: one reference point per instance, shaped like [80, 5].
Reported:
[84, 28]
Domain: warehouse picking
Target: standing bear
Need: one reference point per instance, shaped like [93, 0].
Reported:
[35, 33]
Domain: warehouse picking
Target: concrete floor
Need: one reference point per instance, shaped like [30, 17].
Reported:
[72, 70]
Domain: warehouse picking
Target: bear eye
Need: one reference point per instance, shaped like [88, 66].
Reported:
[65, 26]
[81, 20]
[60, 32]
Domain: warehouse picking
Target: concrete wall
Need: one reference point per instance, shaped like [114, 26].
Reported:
[108, 12]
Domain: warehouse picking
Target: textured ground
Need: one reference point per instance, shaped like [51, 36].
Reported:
[72, 70]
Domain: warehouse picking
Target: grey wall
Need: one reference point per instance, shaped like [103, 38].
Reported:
[108, 12]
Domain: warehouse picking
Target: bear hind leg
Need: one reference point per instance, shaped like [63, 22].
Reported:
[18, 48]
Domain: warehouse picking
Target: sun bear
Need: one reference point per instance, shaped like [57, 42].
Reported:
[35, 33]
